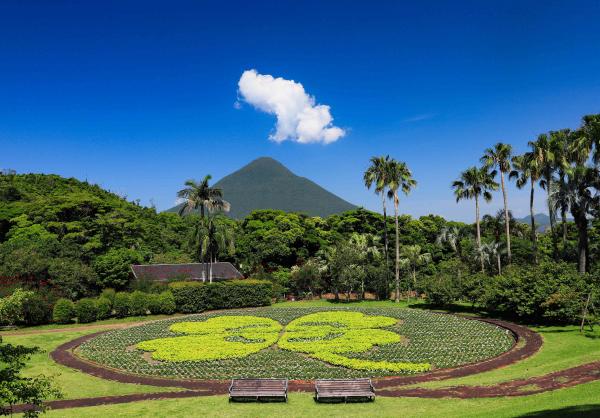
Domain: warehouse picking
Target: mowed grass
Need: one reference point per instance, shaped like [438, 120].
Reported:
[582, 400]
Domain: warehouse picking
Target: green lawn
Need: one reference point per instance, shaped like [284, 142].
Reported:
[563, 347]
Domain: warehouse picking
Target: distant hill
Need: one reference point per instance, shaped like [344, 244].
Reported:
[542, 221]
[267, 184]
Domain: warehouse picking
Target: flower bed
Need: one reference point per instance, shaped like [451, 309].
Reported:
[315, 343]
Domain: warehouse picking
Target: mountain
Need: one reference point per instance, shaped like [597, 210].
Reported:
[267, 184]
[542, 221]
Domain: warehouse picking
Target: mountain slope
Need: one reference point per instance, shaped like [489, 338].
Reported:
[267, 184]
[542, 221]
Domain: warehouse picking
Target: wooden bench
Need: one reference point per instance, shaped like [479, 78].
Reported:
[344, 390]
[258, 390]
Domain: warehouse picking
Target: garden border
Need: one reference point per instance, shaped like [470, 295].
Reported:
[65, 356]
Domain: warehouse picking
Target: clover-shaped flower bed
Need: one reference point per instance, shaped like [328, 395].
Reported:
[298, 343]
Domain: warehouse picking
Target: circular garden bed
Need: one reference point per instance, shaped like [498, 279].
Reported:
[298, 343]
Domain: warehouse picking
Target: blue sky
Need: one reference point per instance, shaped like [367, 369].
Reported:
[139, 96]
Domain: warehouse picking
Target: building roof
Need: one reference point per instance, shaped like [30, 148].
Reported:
[190, 271]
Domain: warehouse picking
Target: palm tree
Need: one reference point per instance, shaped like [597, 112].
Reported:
[588, 139]
[413, 259]
[218, 238]
[377, 174]
[543, 155]
[475, 183]
[493, 250]
[500, 157]
[452, 237]
[199, 196]
[400, 178]
[579, 193]
[526, 170]
[562, 149]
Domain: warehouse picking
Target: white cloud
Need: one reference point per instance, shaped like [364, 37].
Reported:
[298, 117]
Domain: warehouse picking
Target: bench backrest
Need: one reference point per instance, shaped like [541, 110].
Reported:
[344, 385]
[259, 384]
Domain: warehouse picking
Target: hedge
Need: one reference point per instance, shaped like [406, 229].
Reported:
[103, 308]
[64, 311]
[86, 310]
[194, 297]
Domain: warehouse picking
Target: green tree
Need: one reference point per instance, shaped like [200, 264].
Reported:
[412, 257]
[17, 389]
[198, 196]
[473, 184]
[114, 268]
[543, 155]
[579, 192]
[378, 175]
[526, 170]
[588, 139]
[400, 178]
[500, 157]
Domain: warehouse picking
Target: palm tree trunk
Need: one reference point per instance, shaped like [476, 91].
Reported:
[563, 215]
[478, 232]
[551, 214]
[533, 229]
[397, 247]
[499, 263]
[506, 220]
[385, 244]
[582, 243]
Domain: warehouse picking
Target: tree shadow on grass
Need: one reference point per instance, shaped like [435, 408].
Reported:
[571, 411]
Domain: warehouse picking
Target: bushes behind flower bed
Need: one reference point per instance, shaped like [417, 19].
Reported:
[194, 297]
[31, 308]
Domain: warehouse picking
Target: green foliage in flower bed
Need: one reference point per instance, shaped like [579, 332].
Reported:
[426, 338]
[328, 335]
[215, 339]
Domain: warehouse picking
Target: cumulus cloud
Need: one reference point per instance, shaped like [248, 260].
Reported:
[299, 118]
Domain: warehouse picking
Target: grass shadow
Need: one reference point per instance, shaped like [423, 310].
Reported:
[571, 411]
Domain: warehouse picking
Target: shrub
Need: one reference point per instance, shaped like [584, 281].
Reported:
[121, 304]
[103, 308]
[11, 307]
[64, 311]
[109, 294]
[192, 297]
[138, 304]
[153, 303]
[86, 310]
[538, 293]
[166, 302]
[189, 296]
[441, 289]
[37, 310]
